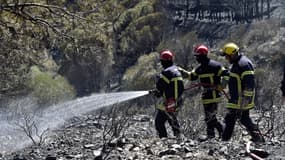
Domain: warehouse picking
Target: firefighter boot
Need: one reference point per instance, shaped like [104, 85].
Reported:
[210, 132]
[257, 137]
[220, 129]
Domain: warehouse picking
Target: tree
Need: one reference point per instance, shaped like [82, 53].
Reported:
[16, 16]
[26, 30]
[43, 33]
[240, 11]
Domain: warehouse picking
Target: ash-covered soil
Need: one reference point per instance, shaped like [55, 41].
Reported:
[93, 137]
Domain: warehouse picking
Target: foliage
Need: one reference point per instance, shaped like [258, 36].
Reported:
[141, 24]
[34, 17]
[260, 31]
[260, 41]
[26, 29]
[48, 89]
[127, 16]
[15, 60]
[182, 45]
[87, 64]
[129, 3]
[83, 38]
[144, 30]
[31, 31]
[135, 77]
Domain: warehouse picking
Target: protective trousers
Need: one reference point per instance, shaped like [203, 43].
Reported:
[245, 120]
[161, 118]
[211, 120]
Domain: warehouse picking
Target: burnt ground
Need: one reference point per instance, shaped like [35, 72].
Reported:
[93, 137]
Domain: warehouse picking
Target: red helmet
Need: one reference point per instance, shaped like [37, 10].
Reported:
[166, 55]
[201, 50]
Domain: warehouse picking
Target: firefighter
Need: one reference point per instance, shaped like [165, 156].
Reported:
[170, 86]
[242, 92]
[210, 74]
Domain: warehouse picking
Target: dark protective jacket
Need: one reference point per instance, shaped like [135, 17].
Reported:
[170, 84]
[241, 84]
[283, 81]
[209, 73]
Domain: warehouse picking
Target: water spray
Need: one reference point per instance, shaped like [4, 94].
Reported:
[52, 117]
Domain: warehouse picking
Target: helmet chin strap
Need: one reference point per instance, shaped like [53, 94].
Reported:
[202, 59]
[166, 64]
[234, 57]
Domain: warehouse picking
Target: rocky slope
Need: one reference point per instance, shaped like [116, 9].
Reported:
[86, 138]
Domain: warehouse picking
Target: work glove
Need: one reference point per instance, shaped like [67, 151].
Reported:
[184, 73]
[219, 88]
[155, 92]
[170, 105]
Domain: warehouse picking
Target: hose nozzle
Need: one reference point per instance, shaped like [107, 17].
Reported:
[155, 92]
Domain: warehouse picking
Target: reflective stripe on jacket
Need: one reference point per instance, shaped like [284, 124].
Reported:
[241, 84]
[170, 84]
[209, 73]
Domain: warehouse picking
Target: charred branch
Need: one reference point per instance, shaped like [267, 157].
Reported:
[42, 15]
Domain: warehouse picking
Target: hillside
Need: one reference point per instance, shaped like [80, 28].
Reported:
[111, 46]
[92, 137]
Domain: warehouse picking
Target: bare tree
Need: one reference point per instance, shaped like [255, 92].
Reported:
[241, 11]
[24, 116]
[117, 122]
[271, 113]
[28, 125]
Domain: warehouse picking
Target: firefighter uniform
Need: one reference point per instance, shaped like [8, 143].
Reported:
[242, 91]
[170, 85]
[209, 73]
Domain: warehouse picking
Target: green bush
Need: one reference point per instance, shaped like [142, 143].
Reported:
[48, 89]
[182, 46]
[139, 25]
[142, 75]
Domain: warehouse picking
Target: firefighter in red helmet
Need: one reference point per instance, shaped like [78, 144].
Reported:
[209, 73]
[169, 86]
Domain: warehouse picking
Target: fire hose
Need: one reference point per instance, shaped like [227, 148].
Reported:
[156, 92]
[256, 154]
[207, 85]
